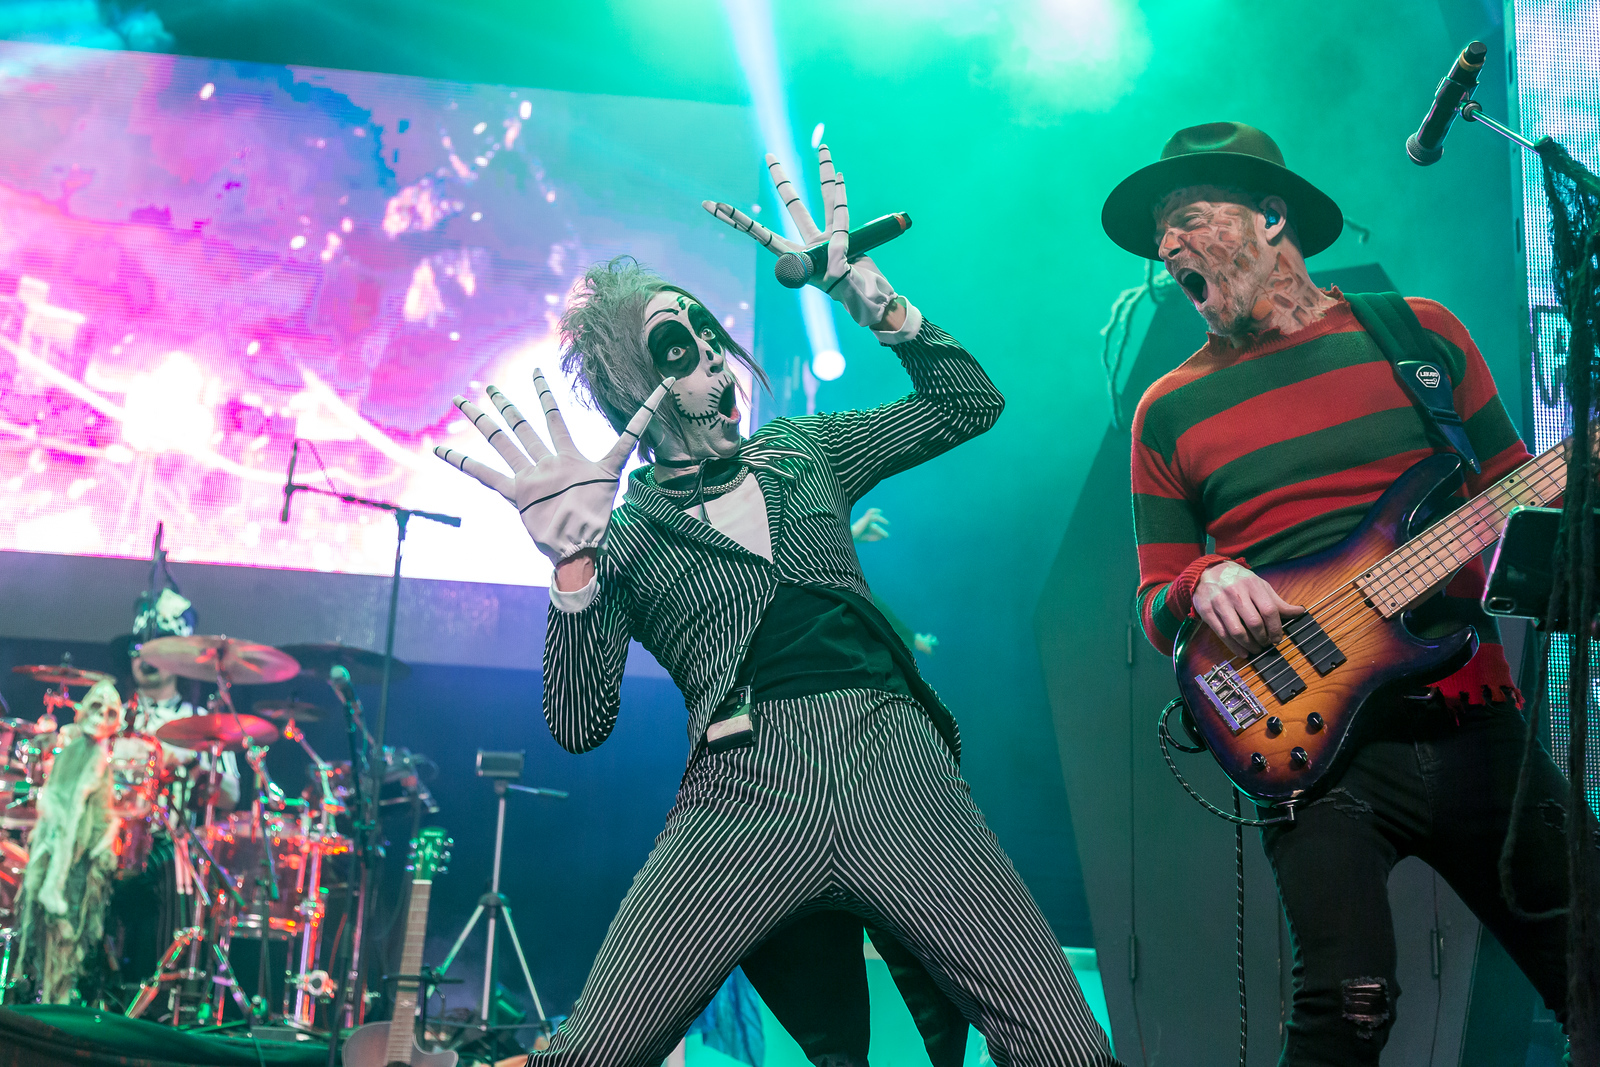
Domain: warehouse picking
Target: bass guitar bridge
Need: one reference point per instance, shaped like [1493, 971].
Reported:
[1230, 696]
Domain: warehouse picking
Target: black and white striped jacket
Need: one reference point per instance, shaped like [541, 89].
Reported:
[693, 597]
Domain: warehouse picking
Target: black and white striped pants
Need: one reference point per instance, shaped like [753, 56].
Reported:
[845, 800]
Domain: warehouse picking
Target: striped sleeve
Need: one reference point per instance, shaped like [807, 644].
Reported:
[584, 655]
[952, 401]
[1170, 535]
[1500, 450]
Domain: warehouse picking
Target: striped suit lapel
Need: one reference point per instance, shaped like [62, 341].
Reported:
[643, 496]
[772, 488]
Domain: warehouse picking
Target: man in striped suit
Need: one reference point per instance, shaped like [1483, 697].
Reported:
[823, 770]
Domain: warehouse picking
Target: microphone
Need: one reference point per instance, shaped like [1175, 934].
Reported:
[1427, 144]
[288, 482]
[794, 269]
[339, 679]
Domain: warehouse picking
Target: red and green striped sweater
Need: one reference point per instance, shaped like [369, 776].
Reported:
[1278, 450]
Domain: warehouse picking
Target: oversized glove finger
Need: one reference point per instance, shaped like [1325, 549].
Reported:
[481, 471]
[563, 497]
[789, 196]
[617, 458]
[859, 286]
[745, 224]
[496, 435]
[836, 207]
[520, 426]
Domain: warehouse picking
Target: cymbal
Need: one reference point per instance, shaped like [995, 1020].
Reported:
[364, 665]
[60, 674]
[233, 732]
[19, 727]
[298, 710]
[198, 656]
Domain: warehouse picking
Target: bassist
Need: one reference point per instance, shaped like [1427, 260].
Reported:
[1271, 443]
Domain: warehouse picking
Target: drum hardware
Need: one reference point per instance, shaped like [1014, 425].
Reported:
[187, 980]
[500, 768]
[7, 983]
[365, 667]
[287, 710]
[167, 973]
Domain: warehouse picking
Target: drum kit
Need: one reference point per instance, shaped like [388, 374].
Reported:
[259, 872]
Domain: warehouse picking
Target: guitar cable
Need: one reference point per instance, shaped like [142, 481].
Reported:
[1167, 741]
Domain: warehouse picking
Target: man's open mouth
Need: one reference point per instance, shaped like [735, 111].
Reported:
[724, 406]
[1194, 282]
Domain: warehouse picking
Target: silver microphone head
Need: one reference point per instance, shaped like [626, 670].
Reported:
[793, 269]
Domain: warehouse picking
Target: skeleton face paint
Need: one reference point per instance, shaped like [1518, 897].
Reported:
[704, 402]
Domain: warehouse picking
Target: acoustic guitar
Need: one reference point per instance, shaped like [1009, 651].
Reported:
[387, 1044]
[1280, 721]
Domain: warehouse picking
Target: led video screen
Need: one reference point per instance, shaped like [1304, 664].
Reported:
[1558, 95]
[203, 261]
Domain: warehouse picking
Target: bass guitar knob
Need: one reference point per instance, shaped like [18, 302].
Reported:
[1314, 722]
[1298, 758]
[1258, 762]
[1274, 726]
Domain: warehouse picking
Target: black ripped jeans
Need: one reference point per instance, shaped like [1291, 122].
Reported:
[1420, 784]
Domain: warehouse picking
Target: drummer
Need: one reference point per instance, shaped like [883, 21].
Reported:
[157, 701]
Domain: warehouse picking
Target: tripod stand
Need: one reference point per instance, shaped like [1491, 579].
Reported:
[493, 903]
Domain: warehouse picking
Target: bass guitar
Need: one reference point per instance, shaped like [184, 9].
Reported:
[388, 1044]
[1280, 720]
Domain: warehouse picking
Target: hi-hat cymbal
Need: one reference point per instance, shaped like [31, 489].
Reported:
[232, 732]
[201, 656]
[60, 674]
[364, 665]
[298, 710]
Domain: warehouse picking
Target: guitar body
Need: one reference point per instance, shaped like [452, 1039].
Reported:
[1278, 746]
[368, 1047]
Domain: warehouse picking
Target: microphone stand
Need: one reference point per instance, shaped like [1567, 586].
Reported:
[366, 821]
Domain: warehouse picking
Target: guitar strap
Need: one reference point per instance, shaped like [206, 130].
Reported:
[1411, 352]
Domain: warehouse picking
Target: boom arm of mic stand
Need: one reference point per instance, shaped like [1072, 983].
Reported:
[1472, 111]
[377, 505]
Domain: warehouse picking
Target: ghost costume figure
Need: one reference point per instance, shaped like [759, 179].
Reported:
[72, 853]
[823, 773]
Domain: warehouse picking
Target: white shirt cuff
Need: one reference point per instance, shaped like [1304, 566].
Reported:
[575, 600]
[908, 330]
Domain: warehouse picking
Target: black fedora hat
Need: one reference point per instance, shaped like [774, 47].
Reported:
[1218, 153]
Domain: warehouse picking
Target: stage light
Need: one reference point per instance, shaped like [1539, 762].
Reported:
[751, 22]
[827, 365]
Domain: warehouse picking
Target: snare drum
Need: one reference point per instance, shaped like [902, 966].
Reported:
[238, 847]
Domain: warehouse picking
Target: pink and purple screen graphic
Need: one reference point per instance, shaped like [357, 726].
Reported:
[202, 261]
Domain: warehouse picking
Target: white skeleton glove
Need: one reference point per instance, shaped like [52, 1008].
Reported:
[563, 497]
[860, 286]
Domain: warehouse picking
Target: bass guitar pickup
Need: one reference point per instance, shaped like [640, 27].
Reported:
[1314, 643]
[1229, 695]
